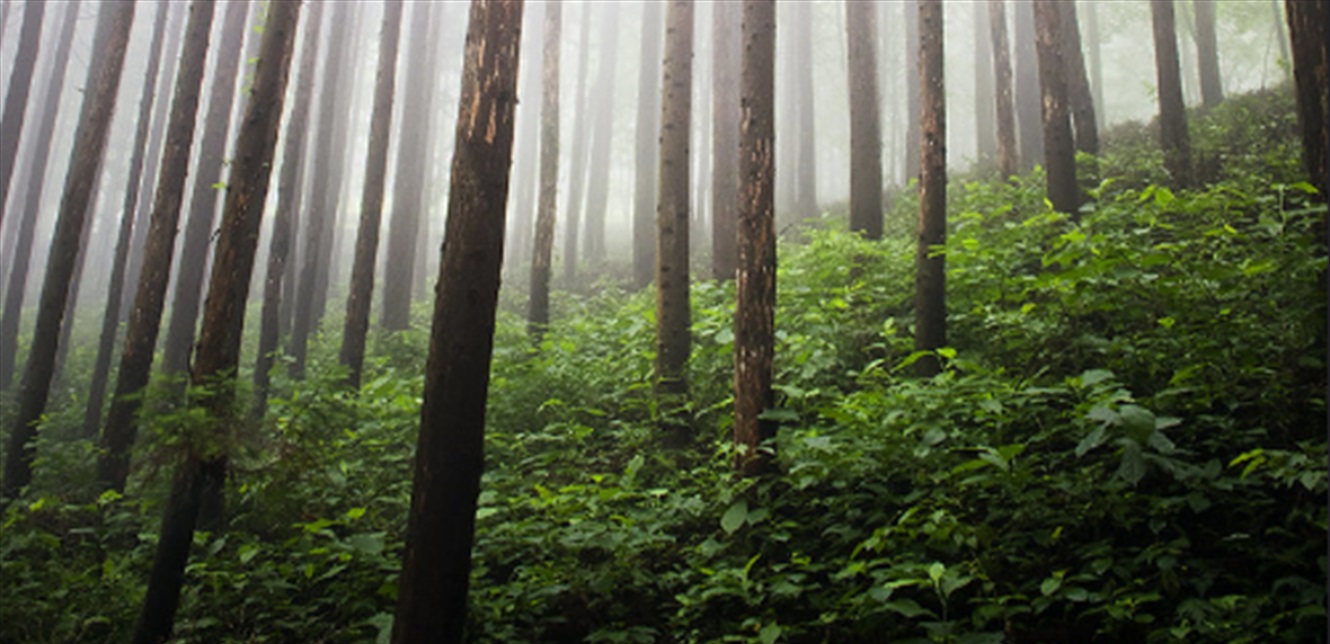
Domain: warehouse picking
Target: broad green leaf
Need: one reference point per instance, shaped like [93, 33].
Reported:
[907, 608]
[769, 633]
[734, 518]
[1132, 468]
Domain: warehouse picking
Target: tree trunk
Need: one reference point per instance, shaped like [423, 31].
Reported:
[1079, 100]
[598, 193]
[755, 285]
[409, 182]
[1207, 53]
[805, 173]
[911, 84]
[1095, 62]
[149, 299]
[103, 81]
[289, 190]
[645, 187]
[436, 563]
[984, 116]
[209, 174]
[865, 138]
[1173, 135]
[1311, 75]
[39, 152]
[1008, 154]
[930, 305]
[1281, 36]
[223, 319]
[672, 308]
[526, 151]
[538, 309]
[727, 49]
[577, 176]
[16, 95]
[371, 207]
[1059, 149]
[1028, 109]
[92, 416]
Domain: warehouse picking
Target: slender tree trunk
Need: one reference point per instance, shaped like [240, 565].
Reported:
[538, 307]
[985, 118]
[1079, 101]
[1207, 53]
[598, 193]
[1095, 62]
[39, 152]
[322, 213]
[223, 319]
[727, 49]
[647, 150]
[92, 416]
[1173, 135]
[149, 299]
[1311, 75]
[371, 207]
[755, 285]
[1028, 108]
[865, 138]
[1280, 34]
[526, 153]
[930, 305]
[1008, 154]
[16, 95]
[1059, 149]
[408, 187]
[577, 177]
[911, 83]
[103, 81]
[805, 175]
[672, 308]
[436, 564]
[208, 176]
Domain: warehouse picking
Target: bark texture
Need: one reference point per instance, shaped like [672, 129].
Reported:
[1059, 149]
[103, 81]
[865, 121]
[538, 306]
[436, 563]
[647, 150]
[149, 299]
[1311, 75]
[1173, 136]
[930, 305]
[755, 284]
[203, 470]
[1079, 101]
[1008, 153]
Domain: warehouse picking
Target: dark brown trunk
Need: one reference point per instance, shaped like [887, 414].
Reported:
[755, 285]
[930, 304]
[409, 183]
[103, 80]
[1173, 136]
[1008, 154]
[865, 138]
[672, 308]
[647, 150]
[1028, 110]
[16, 95]
[436, 563]
[1059, 150]
[727, 49]
[39, 153]
[371, 206]
[1207, 53]
[209, 174]
[598, 193]
[538, 307]
[1311, 75]
[577, 176]
[92, 416]
[1079, 100]
[202, 471]
[289, 190]
[149, 299]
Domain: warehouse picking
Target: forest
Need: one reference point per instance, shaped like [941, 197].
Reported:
[954, 321]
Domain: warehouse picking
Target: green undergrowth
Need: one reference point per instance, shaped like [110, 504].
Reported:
[1127, 443]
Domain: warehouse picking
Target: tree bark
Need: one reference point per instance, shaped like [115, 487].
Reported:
[1079, 100]
[672, 308]
[1311, 75]
[16, 95]
[103, 81]
[577, 174]
[210, 173]
[1059, 149]
[1028, 108]
[202, 470]
[930, 305]
[436, 563]
[726, 117]
[39, 153]
[1008, 154]
[1173, 136]
[92, 416]
[371, 206]
[149, 299]
[598, 193]
[1207, 53]
[538, 307]
[645, 187]
[865, 137]
[755, 284]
